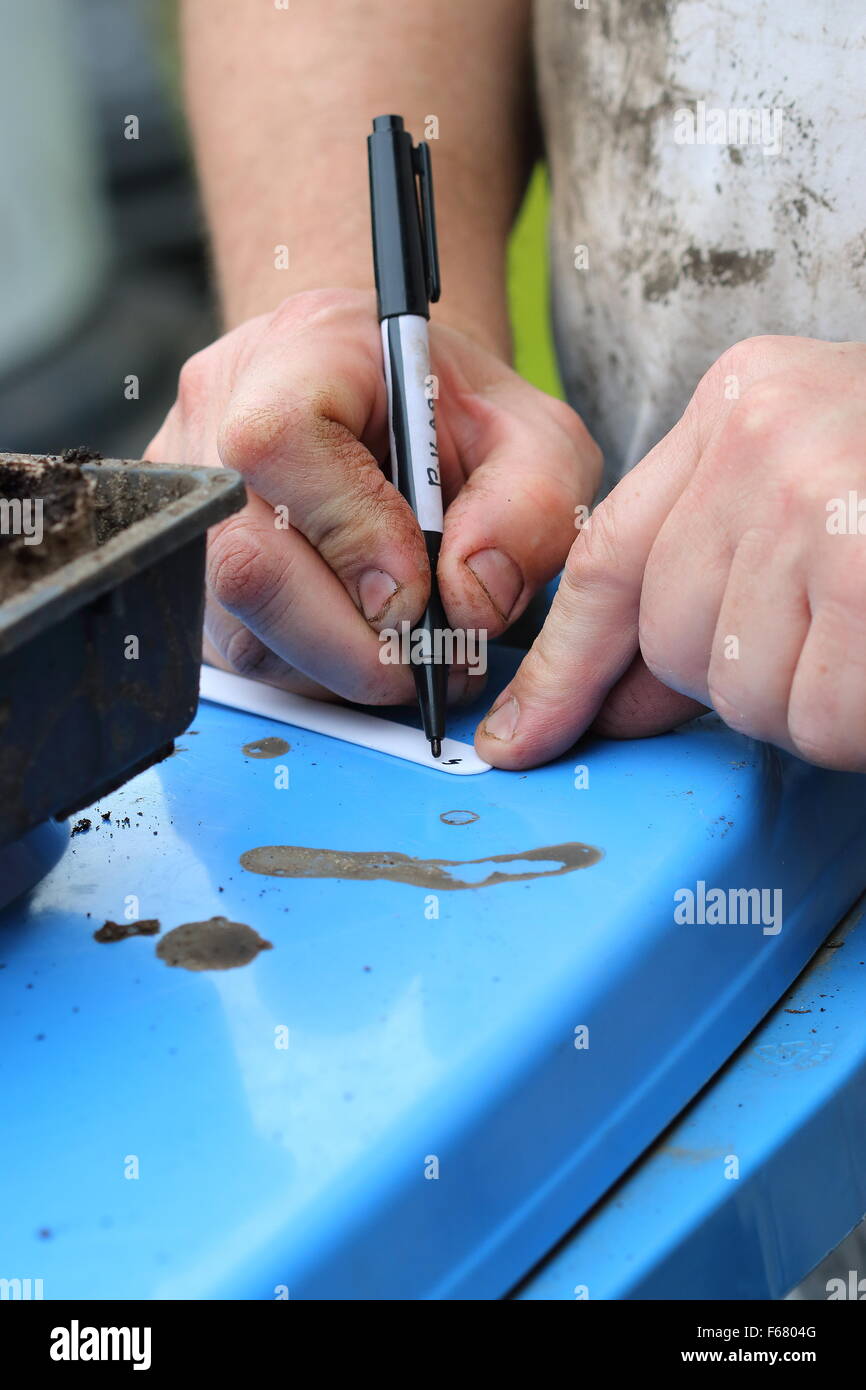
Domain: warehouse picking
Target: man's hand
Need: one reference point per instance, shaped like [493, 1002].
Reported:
[280, 105]
[327, 553]
[727, 569]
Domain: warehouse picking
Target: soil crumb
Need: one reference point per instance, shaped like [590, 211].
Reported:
[82, 826]
[266, 748]
[216, 944]
[81, 454]
[296, 861]
[119, 931]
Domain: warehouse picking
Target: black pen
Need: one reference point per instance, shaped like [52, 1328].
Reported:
[406, 263]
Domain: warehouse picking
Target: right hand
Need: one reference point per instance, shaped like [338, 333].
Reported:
[295, 400]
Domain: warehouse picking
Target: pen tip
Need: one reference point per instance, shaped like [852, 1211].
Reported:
[436, 747]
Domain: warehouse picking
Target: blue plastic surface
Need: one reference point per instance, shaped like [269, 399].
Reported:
[25, 862]
[790, 1108]
[411, 1038]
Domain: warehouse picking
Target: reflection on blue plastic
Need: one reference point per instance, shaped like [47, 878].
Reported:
[397, 1099]
[763, 1175]
[25, 862]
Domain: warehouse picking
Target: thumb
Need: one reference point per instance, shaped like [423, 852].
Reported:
[590, 638]
[510, 527]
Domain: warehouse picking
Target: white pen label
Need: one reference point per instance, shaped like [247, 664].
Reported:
[411, 417]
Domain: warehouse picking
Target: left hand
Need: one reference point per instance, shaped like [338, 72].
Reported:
[727, 569]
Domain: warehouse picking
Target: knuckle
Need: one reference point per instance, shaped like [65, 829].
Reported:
[578, 436]
[238, 575]
[596, 549]
[746, 364]
[310, 306]
[252, 435]
[760, 353]
[245, 653]
[766, 410]
[294, 309]
[248, 436]
[551, 497]
[746, 352]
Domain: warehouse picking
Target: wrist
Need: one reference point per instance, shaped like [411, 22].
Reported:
[254, 281]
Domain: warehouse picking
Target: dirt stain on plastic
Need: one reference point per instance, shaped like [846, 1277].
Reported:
[216, 944]
[683, 1154]
[458, 817]
[119, 931]
[266, 748]
[297, 861]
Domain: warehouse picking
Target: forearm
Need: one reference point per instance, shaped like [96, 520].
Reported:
[280, 105]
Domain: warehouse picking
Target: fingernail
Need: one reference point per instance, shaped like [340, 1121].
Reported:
[375, 591]
[502, 721]
[499, 577]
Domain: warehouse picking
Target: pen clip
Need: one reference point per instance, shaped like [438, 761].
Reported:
[422, 166]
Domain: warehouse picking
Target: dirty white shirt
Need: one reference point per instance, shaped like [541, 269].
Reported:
[708, 170]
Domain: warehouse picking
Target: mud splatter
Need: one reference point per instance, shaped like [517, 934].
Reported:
[266, 748]
[216, 944]
[715, 266]
[684, 1154]
[119, 931]
[711, 266]
[297, 861]
[458, 817]
[662, 280]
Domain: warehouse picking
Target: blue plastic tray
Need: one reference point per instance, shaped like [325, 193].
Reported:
[160, 1142]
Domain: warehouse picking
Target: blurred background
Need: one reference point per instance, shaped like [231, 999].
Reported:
[105, 280]
[106, 288]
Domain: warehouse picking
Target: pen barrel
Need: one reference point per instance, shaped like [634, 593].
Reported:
[431, 677]
[406, 262]
[402, 280]
[412, 417]
[415, 474]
